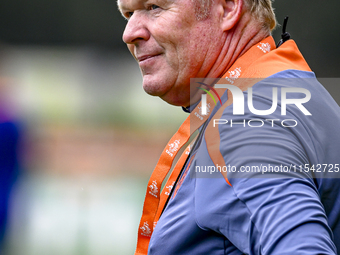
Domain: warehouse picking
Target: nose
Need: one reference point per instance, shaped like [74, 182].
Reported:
[136, 29]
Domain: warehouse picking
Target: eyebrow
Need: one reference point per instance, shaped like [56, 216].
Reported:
[119, 6]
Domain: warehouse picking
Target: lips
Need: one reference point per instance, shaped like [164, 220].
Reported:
[146, 57]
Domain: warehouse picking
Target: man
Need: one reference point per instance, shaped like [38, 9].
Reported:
[278, 156]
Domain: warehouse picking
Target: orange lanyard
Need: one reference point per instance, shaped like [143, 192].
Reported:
[156, 200]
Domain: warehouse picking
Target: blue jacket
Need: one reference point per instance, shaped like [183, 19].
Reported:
[285, 193]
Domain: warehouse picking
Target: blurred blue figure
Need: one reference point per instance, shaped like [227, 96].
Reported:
[9, 167]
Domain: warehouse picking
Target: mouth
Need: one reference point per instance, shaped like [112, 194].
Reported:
[144, 58]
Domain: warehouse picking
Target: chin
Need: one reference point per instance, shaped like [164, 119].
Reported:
[155, 87]
[176, 98]
[153, 91]
[166, 91]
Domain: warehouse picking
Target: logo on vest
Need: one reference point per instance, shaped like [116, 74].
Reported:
[146, 231]
[234, 75]
[265, 47]
[173, 147]
[153, 189]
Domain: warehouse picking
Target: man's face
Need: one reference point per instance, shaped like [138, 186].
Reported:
[170, 45]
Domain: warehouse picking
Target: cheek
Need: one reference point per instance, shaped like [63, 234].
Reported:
[190, 50]
[172, 48]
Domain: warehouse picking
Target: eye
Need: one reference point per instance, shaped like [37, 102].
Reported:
[153, 7]
[129, 14]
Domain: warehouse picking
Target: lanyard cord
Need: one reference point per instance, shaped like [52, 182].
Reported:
[285, 35]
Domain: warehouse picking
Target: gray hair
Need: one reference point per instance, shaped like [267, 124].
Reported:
[262, 10]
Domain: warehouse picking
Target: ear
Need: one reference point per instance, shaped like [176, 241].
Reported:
[232, 12]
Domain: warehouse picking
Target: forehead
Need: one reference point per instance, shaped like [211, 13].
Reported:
[130, 4]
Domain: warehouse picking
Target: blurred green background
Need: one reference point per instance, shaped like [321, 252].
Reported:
[91, 136]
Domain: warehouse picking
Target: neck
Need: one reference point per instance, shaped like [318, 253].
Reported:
[238, 41]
